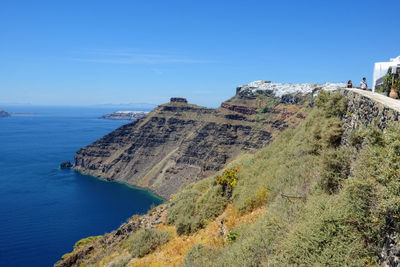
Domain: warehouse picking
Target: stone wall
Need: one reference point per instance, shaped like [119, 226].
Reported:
[363, 111]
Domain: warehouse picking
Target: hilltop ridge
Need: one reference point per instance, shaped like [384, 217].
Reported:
[179, 143]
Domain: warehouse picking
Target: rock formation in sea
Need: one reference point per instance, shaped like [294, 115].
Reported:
[66, 165]
[4, 114]
[179, 143]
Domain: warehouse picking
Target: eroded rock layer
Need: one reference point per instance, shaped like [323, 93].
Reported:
[179, 143]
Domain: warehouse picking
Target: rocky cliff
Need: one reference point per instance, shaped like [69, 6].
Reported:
[179, 143]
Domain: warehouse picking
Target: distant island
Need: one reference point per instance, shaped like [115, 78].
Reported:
[125, 115]
[4, 114]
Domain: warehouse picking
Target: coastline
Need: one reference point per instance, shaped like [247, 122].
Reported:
[147, 190]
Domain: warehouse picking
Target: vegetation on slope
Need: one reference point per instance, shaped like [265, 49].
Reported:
[196, 205]
[328, 205]
[145, 241]
[303, 200]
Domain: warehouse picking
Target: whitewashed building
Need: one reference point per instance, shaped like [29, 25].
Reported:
[382, 68]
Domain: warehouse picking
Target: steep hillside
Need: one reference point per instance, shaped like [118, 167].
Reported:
[306, 199]
[179, 143]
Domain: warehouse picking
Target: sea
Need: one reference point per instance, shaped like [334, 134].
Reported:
[44, 210]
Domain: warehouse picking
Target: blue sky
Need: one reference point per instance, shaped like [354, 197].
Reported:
[95, 52]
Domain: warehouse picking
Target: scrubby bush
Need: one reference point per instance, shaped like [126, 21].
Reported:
[356, 138]
[199, 256]
[332, 132]
[257, 199]
[191, 209]
[254, 242]
[228, 180]
[331, 104]
[188, 224]
[211, 203]
[232, 236]
[326, 234]
[270, 104]
[183, 204]
[87, 240]
[121, 263]
[335, 168]
[146, 240]
[374, 135]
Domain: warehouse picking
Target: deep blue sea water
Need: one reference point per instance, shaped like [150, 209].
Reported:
[44, 210]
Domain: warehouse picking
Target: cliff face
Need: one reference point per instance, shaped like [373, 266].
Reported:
[179, 143]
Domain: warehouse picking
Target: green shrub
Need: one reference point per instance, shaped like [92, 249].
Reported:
[211, 203]
[191, 209]
[332, 132]
[228, 180]
[199, 256]
[188, 224]
[374, 135]
[271, 103]
[356, 138]
[324, 235]
[331, 104]
[182, 205]
[335, 168]
[146, 240]
[87, 240]
[258, 199]
[121, 263]
[253, 243]
[323, 133]
[232, 236]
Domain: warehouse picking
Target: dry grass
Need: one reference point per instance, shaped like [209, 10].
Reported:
[174, 252]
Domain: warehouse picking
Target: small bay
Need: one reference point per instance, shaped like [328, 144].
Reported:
[44, 210]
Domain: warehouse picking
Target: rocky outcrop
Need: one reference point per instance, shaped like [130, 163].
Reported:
[179, 143]
[178, 100]
[239, 109]
[4, 114]
[125, 115]
[66, 165]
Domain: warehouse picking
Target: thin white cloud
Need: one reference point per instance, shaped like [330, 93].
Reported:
[157, 71]
[121, 57]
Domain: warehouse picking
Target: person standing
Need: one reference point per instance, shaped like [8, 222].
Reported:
[363, 84]
[349, 84]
